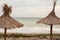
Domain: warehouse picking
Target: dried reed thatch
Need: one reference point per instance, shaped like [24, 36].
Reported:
[6, 21]
[51, 18]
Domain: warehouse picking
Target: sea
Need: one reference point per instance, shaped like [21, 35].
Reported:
[30, 26]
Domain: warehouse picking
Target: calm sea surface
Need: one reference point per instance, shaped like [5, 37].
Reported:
[30, 26]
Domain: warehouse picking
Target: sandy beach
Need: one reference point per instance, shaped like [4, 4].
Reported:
[21, 38]
[17, 36]
[28, 38]
[25, 38]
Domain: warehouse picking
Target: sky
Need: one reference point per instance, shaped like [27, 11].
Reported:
[30, 8]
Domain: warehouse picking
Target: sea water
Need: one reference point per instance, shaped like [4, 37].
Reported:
[30, 26]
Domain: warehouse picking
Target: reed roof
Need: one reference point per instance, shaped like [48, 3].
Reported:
[6, 21]
[51, 18]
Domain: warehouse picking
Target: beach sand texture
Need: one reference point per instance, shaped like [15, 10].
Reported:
[30, 38]
[25, 38]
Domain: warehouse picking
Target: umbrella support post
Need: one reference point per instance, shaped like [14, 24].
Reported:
[5, 33]
[51, 26]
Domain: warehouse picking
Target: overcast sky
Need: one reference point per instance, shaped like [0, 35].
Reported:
[30, 8]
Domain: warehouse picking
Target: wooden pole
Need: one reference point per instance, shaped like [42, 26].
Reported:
[5, 33]
[51, 26]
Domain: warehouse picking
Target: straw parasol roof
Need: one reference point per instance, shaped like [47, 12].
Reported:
[6, 21]
[51, 18]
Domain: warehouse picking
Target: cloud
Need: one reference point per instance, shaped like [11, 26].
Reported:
[34, 11]
[31, 8]
[29, 3]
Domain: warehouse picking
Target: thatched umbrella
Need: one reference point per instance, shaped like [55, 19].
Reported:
[51, 19]
[6, 21]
